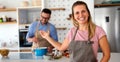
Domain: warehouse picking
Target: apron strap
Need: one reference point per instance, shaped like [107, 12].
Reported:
[75, 34]
[89, 33]
[37, 26]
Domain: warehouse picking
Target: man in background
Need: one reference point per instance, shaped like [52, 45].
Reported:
[43, 24]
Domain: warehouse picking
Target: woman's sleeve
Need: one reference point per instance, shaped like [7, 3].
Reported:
[69, 35]
[101, 32]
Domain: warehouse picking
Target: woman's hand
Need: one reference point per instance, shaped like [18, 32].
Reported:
[44, 34]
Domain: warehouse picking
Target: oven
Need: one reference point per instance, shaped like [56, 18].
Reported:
[22, 38]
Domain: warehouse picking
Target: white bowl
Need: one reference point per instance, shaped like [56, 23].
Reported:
[47, 57]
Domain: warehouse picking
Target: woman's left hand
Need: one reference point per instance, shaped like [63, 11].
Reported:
[44, 34]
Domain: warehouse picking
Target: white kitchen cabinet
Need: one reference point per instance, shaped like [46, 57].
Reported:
[26, 15]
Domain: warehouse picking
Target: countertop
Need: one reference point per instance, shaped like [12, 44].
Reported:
[29, 57]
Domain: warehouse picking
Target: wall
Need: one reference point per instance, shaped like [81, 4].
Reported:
[58, 16]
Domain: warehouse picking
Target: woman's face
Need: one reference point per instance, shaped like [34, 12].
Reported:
[81, 14]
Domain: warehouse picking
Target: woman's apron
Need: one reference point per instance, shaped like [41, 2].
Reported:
[81, 51]
[41, 42]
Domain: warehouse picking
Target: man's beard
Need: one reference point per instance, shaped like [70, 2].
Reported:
[45, 22]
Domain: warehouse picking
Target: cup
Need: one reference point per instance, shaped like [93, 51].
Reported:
[40, 51]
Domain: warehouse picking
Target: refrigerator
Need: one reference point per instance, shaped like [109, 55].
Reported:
[109, 19]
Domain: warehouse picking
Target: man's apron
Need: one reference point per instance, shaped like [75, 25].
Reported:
[41, 41]
[81, 51]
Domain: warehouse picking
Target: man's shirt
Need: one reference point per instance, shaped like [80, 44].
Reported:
[45, 27]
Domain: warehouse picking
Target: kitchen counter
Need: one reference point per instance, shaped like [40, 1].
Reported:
[29, 57]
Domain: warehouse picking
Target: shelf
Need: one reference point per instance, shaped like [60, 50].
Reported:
[61, 28]
[8, 22]
[57, 8]
[105, 5]
[14, 9]
[7, 9]
[30, 8]
[41, 7]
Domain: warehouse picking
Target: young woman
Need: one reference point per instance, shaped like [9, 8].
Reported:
[84, 39]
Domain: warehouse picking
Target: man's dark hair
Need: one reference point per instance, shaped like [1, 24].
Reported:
[45, 10]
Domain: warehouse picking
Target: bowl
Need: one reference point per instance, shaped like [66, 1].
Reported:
[40, 51]
[4, 52]
[47, 57]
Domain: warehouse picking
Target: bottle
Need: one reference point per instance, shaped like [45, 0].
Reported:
[4, 18]
[1, 20]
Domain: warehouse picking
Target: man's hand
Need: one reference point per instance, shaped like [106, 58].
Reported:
[34, 39]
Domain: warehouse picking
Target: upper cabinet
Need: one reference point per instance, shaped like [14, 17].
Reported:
[26, 15]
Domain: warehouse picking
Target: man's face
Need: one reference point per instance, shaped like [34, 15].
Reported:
[44, 17]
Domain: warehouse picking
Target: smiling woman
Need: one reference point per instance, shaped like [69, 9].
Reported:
[84, 38]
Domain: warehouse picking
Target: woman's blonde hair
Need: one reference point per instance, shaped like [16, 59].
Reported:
[91, 25]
